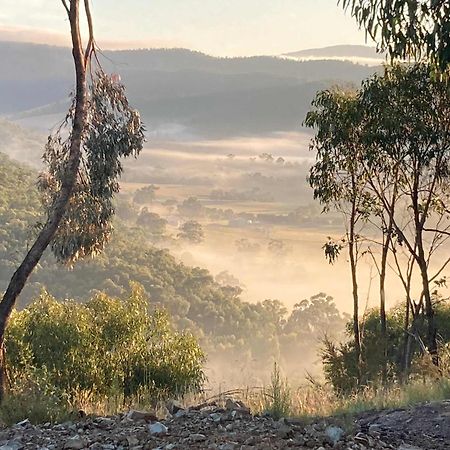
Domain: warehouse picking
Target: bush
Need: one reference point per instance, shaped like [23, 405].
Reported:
[340, 364]
[278, 402]
[104, 347]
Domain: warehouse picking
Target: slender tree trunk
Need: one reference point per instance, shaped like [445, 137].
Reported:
[352, 250]
[45, 236]
[383, 321]
[429, 310]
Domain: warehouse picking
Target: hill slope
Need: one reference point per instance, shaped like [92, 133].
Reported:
[207, 95]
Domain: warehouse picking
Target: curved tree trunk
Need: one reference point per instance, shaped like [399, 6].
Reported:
[47, 233]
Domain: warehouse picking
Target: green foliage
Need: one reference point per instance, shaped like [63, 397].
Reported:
[152, 222]
[113, 131]
[29, 401]
[339, 360]
[103, 347]
[145, 194]
[192, 231]
[413, 28]
[278, 401]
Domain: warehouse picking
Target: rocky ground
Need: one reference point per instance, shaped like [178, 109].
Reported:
[232, 427]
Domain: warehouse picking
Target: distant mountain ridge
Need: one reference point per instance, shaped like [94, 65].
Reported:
[207, 95]
[363, 51]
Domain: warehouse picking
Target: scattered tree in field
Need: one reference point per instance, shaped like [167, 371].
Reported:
[152, 222]
[413, 28]
[191, 207]
[192, 231]
[145, 195]
[82, 168]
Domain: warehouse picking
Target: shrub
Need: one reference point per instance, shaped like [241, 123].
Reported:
[104, 347]
[278, 402]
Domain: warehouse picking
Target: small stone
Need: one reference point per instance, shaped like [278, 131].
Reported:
[333, 434]
[174, 406]
[12, 445]
[23, 423]
[144, 416]
[197, 437]
[215, 417]
[409, 447]
[75, 443]
[157, 428]
[285, 432]
[227, 446]
[132, 441]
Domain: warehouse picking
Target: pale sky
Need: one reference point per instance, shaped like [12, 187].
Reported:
[217, 27]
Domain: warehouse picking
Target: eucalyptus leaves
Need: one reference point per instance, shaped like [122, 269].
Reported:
[113, 131]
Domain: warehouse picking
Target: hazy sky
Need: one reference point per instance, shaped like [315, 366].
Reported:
[218, 27]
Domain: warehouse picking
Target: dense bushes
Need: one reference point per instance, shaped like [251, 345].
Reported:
[339, 359]
[103, 347]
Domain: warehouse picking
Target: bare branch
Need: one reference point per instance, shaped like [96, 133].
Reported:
[90, 47]
[64, 2]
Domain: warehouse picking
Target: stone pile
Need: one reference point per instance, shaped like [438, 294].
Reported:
[232, 427]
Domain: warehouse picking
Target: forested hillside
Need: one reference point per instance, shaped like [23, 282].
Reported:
[199, 93]
[215, 313]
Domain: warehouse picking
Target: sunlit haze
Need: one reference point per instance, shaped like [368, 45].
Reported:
[217, 27]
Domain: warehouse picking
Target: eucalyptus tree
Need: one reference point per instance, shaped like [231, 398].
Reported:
[338, 180]
[407, 132]
[418, 29]
[83, 166]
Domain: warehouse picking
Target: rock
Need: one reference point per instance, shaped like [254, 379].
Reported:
[174, 406]
[285, 432]
[197, 437]
[409, 447]
[333, 434]
[132, 441]
[75, 443]
[236, 405]
[227, 446]
[12, 445]
[157, 428]
[23, 423]
[215, 417]
[144, 416]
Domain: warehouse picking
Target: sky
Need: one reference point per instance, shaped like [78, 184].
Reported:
[216, 27]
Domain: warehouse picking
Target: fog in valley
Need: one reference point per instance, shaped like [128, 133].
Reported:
[226, 151]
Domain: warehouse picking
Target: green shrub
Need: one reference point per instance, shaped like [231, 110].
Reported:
[339, 359]
[104, 347]
[278, 402]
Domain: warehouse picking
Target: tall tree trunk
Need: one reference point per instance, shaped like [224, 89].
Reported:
[45, 236]
[383, 321]
[429, 310]
[352, 250]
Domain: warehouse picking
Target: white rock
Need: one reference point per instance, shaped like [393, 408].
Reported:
[12, 445]
[334, 434]
[75, 443]
[157, 428]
